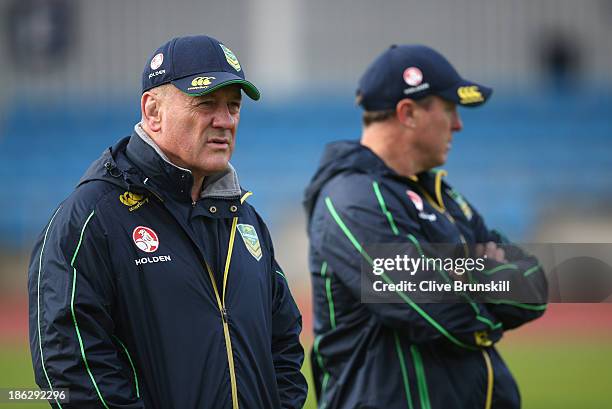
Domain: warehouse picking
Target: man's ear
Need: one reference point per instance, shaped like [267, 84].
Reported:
[150, 105]
[406, 112]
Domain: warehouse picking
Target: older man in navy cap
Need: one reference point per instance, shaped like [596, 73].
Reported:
[386, 350]
[154, 284]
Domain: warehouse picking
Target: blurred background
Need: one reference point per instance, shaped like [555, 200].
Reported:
[536, 160]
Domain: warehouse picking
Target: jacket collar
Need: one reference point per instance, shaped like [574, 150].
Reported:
[352, 156]
[168, 177]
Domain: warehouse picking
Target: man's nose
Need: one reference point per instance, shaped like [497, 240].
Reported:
[456, 122]
[223, 118]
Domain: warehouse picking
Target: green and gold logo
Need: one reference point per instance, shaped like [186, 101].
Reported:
[133, 200]
[482, 339]
[463, 205]
[230, 57]
[251, 241]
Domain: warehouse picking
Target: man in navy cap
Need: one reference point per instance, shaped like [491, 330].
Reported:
[154, 284]
[388, 351]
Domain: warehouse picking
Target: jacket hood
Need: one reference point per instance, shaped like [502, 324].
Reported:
[113, 167]
[338, 157]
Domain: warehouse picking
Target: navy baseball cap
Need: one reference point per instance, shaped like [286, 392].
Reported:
[197, 65]
[415, 71]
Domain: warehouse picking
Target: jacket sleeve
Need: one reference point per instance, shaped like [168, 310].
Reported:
[522, 270]
[71, 328]
[287, 352]
[348, 217]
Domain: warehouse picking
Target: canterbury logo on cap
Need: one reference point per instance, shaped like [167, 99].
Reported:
[201, 81]
[469, 95]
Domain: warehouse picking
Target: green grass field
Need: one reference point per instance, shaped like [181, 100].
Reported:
[563, 375]
[559, 375]
[16, 373]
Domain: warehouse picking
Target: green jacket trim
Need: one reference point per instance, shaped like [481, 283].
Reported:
[42, 359]
[384, 276]
[76, 325]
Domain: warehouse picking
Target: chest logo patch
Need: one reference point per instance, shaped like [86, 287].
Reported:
[133, 200]
[251, 241]
[145, 239]
[418, 203]
[465, 208]
[416, 199]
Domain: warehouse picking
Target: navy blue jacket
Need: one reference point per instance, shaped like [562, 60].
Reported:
[140, 298]
[402, 354]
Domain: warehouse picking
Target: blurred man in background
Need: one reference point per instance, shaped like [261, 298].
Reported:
[383, 189]
[154, 285]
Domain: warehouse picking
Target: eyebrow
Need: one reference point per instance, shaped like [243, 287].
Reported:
[238, 96]
[196, 99]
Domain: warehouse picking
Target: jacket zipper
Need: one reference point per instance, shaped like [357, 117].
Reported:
[489, 395]
[224, 316]
[221, 302]
[442, 209]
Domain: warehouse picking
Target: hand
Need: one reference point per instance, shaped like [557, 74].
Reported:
[491, 251]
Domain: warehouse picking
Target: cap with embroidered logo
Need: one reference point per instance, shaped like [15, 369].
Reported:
[197, 65]
[415, 71]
